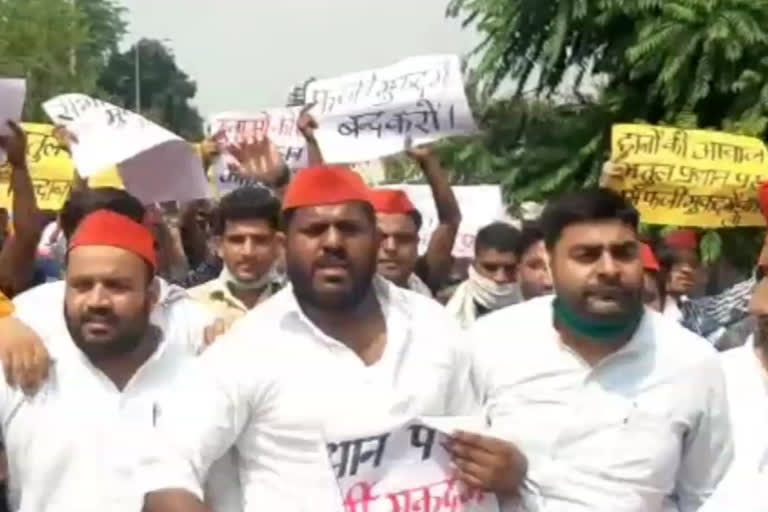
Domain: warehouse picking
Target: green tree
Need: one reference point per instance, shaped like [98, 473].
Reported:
[166, 90]
[57, 45]
[690, 63]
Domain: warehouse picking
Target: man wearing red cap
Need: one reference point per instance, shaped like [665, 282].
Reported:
[653, 283]
[366, 345]
[400, 222]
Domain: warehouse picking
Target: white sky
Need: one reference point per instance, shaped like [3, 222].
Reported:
[247, 54]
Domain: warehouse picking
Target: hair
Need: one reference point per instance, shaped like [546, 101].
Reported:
[500, 236]
[417, 218]
[530, 235]
[367, 209]
[582, 206]
[82, 203]
[247, 203]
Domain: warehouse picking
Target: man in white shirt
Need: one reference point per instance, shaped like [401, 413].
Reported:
[616, 407]
[103, 394]
[367, 347]
[745, 488]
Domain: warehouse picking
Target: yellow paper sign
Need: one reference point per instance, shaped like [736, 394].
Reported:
[694, 178]
[51, 170]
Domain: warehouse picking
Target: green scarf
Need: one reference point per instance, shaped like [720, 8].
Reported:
[603, 332]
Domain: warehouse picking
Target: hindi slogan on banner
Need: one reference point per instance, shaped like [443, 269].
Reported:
[693, 178]
[367, 115]
[50, 168]
[405, 469]
[256, 146]
[155, 164]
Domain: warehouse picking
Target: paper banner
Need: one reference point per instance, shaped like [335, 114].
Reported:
[154, 164]
[367, 115]
[480, 205]
[51, 170]
[404, 469]
[693, 178]
[12, 93]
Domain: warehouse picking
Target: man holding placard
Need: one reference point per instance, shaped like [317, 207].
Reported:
[616, 407]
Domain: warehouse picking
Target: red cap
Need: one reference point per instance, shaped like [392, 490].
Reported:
[648, 258]
[323, 185]
[762, 197]
[682, 239]
[105, 227]
[391, 201]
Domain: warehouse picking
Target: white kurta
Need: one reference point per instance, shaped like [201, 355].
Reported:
[745, 488]
[424, 371]
[182, 321]
[646, 430]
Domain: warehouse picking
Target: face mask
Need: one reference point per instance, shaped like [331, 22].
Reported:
[490, 294]
[229, 278]
[609, 333]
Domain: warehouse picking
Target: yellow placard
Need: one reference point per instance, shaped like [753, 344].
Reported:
[694, 178]
[51, 170]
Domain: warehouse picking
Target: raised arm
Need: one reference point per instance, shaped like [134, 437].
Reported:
[435, 265]
[17, 257]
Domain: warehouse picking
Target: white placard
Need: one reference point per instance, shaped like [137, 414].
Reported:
[480, 205]
[12, 93]
[403, 469]
[155, 164]
[277, 124]
[367, 115]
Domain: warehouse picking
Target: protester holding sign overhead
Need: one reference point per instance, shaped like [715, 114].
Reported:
[17, 254]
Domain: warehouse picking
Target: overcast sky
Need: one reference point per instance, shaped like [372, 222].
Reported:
[247, 54]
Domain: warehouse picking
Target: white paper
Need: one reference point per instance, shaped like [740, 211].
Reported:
[278, 124]
[12, 93]
[402, 469]
[480, 205]
[367, 115]
[155, 164]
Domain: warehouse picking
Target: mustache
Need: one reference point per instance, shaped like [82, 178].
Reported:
[331, 260]
[103, 315]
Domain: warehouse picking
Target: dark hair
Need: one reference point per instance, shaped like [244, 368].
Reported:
[366, 208]
[417, 218]
[582, 206]
[247, 203]
[500, 236]
[530, 235]
[82, 203]
[668, 256]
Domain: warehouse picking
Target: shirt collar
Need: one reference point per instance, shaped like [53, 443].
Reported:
[392, 300]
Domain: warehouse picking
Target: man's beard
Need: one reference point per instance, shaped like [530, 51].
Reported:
[129, 334]
[301, 281]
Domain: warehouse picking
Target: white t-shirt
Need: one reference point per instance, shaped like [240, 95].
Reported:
[645, 430]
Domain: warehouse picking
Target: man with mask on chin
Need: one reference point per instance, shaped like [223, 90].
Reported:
[616, 407]
[492, 282]
[363, 348]
[246, 224]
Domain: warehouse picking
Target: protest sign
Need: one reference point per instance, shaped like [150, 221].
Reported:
[51, 170]
[480, 205]
[403, 469]
[155, 165]
[694, 178]
[367, 115]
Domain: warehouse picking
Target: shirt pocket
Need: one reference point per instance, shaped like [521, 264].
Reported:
[642, 445]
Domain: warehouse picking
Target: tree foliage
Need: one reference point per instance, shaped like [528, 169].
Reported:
[165, 89]
[689, 63]
[57, 45]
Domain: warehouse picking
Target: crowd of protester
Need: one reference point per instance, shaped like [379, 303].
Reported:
[192, 357]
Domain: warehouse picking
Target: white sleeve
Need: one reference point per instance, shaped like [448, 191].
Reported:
[463, 397]
[198, 425]
[29, 304]
[196, 317]
[708, 446]
[247, 395]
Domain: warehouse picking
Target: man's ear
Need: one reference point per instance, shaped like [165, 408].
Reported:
[216, 243]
